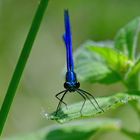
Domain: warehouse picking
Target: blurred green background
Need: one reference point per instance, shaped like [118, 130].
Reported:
[43, 76]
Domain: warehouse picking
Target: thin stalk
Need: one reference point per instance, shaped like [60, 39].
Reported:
[139, 81]
[138, 109]
[11, 91]
[133, 87]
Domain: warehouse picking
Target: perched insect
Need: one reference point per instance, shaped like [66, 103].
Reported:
[71, 84]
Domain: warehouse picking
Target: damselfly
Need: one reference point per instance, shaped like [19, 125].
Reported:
[71, 84]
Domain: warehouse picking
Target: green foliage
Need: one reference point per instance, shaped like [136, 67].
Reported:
[127, 37]
[100, 62]
[110, 62]
[106, 103]
[80, 130]
[132, 78]
[133, 135]
[105, 63]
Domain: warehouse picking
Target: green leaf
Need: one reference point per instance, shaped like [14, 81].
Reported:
[132, 76]
[115, 60]
[127, 37]
[133, 135]
[106, 103]
[99, 62]
[79, 130]
[135, 69]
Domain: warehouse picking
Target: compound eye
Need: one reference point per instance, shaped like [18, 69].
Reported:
[66, 85]
[77, 85]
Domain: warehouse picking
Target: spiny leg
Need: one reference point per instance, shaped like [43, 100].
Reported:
[88, 98]
[59, 98]
[84, 101]
[93, 98]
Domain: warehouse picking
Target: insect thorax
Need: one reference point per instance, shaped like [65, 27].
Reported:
[71, 81]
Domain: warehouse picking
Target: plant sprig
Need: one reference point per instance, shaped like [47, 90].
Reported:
[106, 63]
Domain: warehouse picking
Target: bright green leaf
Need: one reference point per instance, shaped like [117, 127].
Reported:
[126, 38]
[106, 103]
[135, 69]
[99, 62]
[114, 59]
[132, 76]
[79, 130]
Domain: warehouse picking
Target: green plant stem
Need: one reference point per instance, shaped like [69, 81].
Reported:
[139, 81]
[21, 63]
[136, 87]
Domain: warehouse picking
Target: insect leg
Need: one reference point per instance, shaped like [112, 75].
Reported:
[61, 101]
[93, 98]
[59, 98]
[83, 102]
[88, 99]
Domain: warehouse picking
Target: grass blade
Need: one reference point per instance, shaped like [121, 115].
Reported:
[21, 63]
